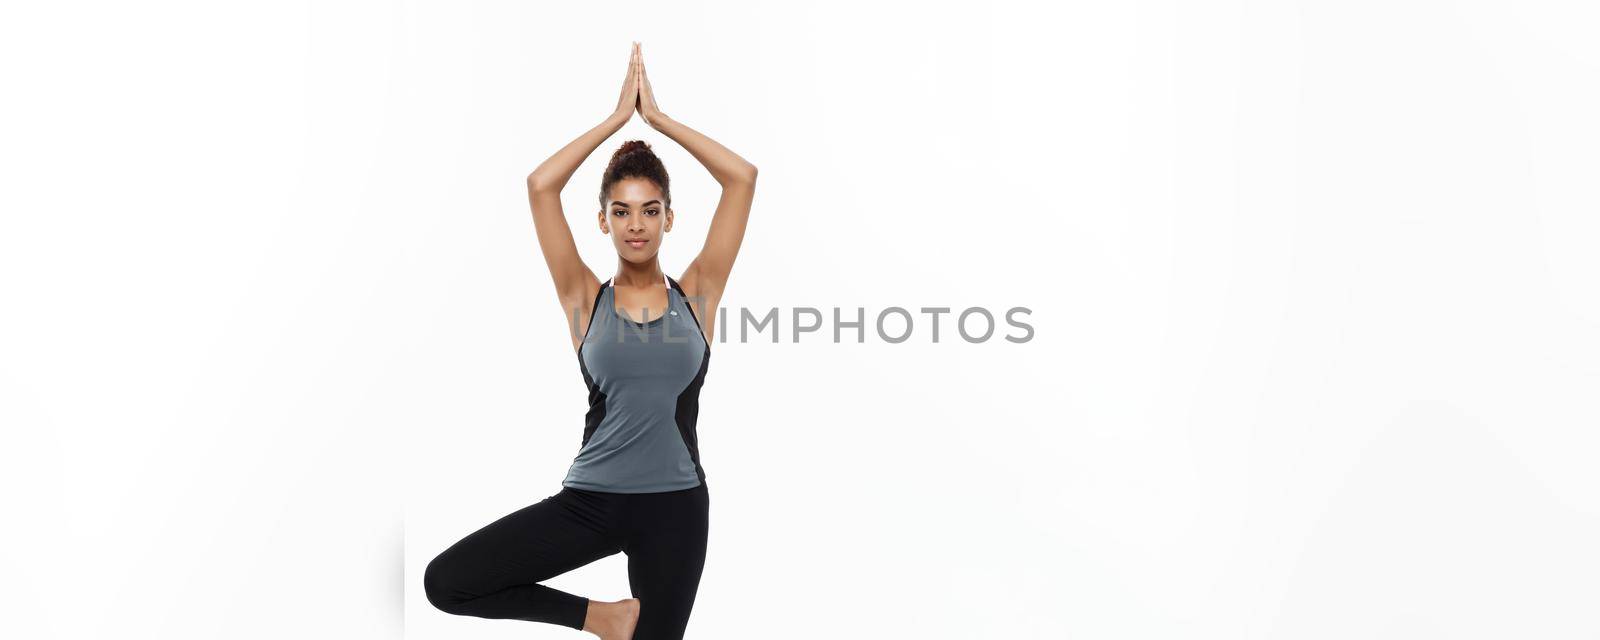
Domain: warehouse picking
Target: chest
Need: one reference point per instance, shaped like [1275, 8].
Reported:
[640, 306]
[665, 353]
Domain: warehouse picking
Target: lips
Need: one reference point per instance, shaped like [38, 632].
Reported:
[637, 243]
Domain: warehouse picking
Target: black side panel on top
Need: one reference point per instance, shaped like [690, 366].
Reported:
[597, 400]
[687, 415]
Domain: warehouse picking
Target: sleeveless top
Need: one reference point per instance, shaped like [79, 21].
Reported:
[644, 398]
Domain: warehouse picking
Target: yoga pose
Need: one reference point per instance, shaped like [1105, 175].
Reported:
[643, 342]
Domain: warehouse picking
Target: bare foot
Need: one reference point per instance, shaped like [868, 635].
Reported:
[612, 620]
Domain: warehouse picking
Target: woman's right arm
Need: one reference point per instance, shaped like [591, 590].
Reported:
[575, 283]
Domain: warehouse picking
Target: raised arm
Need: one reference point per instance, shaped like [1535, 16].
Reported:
[707, 275]
[575, 283]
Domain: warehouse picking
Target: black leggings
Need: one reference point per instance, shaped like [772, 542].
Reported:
[493, 573]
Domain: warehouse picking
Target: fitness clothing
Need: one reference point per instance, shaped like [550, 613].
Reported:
[493, 573]
[644, 384]
[636, 486]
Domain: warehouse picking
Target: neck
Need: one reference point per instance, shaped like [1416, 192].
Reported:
[640, 276]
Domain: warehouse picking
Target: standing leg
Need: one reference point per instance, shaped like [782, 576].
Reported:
[493, 573]
[666, 553]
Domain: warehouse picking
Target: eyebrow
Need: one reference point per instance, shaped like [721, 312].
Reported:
[625, 205]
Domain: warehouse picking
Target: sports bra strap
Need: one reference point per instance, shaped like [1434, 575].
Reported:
[670, 282]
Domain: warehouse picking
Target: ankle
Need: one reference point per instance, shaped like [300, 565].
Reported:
[612, 619]
[595, 618]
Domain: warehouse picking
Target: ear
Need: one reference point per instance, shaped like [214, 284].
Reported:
[603, 226]
[669, 221]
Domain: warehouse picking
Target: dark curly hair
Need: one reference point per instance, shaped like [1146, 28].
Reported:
[635, 160]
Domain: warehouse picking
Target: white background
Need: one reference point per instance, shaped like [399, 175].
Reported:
[1313, 284]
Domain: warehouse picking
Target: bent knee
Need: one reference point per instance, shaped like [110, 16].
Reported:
[439, 585]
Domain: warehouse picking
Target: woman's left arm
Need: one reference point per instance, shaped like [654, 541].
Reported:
[707, 275]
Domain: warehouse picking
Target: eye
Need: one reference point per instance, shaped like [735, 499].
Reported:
[620, 212]
[653, 211]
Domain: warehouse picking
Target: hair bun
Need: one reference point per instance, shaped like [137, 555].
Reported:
[632, 146]
[635, 159]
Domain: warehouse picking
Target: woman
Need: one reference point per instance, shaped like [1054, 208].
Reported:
[636, 485]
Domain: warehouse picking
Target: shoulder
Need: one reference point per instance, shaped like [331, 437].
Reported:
[580, 301]
[581, 292]
[696, 283]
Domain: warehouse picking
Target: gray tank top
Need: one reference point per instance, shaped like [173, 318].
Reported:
[644, 398]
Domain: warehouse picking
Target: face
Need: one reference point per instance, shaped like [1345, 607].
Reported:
[635, 210]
